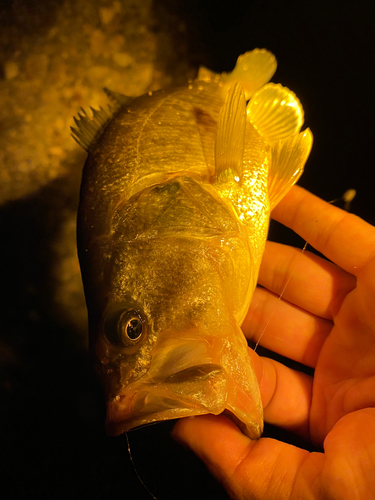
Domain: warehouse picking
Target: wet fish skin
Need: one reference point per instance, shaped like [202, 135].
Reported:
[175, 202]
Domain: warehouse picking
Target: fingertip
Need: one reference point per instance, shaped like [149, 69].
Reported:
[200, 430]
[216, 440]
[210, 435]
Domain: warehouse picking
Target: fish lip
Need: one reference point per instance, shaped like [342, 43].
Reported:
[197, 390]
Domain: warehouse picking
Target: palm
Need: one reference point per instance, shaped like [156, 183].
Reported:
[325, 320]
[344, 379]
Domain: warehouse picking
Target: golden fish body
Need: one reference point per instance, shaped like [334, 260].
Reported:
[173, 218]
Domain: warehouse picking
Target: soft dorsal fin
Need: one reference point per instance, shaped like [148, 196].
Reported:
[230, 135]
[287, 160]
[275, 112]
[89, 129]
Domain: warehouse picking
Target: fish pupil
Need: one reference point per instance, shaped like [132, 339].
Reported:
[134, 329]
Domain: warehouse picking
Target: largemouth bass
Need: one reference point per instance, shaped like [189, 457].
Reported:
[175, 203]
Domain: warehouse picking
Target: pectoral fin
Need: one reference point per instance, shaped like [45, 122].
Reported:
[275, 112]
[253, 70]
[230, 135]
[288, 158]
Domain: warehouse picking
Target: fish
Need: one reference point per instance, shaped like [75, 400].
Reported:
[175, 203]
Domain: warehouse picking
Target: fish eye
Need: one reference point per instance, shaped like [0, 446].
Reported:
[125, 328]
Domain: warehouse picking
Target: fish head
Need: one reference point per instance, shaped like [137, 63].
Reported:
[155, 368]
[167, 344]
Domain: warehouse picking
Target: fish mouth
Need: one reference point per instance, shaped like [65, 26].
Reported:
[207, 387]
[197, 390]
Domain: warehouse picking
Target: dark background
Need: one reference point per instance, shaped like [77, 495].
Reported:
[51, 429]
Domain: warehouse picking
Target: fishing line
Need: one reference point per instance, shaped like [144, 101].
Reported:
[280, 296]
[347, 198]
[135, 469]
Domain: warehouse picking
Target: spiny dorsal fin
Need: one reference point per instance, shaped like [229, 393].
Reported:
[117, 98]
[89, 129]
[230, 136]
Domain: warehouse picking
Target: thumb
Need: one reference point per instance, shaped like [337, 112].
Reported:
[248, 469]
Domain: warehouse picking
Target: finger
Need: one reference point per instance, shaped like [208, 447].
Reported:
[271, 469]
[248, 469]
[304, 279]
[344, 238]
[286, 395]
[285, 329]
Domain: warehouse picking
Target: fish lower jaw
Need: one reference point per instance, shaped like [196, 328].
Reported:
[117, 428]
[197, 391]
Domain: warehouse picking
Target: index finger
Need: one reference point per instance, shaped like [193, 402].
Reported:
[344, 238]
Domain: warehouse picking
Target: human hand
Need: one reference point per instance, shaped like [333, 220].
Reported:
[325, 320]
